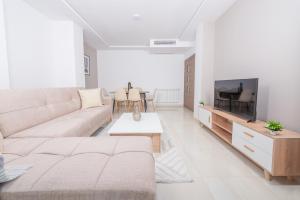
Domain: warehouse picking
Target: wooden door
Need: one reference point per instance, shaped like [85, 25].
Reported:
[189, 82]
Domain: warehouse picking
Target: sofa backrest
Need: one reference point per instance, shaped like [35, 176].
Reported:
[21, 109]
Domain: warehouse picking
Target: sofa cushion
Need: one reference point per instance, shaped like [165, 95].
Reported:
[90, 98]
[76, 124]
[34, 106]
[21, 147]
[97, 168]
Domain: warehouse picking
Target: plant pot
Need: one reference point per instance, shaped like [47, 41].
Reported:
[273, 132]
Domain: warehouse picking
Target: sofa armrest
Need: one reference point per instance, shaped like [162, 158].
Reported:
[107, 100]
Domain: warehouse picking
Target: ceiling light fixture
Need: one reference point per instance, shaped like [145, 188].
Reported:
[136, 16]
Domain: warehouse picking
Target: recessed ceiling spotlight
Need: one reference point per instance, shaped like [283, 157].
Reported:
[136, 16]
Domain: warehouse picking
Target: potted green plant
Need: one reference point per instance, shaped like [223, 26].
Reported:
[201, 103]
[274, 126]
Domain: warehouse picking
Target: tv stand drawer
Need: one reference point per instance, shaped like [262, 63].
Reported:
[257, 139]
[253, 152]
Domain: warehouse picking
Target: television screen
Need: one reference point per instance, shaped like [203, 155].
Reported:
[237, 96]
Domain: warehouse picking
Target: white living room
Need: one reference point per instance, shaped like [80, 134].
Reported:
[149, 100]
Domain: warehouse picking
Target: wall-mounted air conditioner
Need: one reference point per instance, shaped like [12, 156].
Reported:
[167, 46]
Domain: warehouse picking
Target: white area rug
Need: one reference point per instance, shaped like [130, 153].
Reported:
[170, 167]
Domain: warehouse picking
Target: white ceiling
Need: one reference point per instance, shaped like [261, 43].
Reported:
[110, 23]
[159, 18]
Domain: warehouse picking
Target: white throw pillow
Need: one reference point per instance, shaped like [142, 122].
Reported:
[90, 98]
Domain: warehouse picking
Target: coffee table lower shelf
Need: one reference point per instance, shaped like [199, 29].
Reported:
[155, 137]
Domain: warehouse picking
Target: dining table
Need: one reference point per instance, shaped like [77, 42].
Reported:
[143, 97]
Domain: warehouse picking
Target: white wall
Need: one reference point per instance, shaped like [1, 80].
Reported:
[204, 81]
[67, 47]
[79, 55]
[63, 56]
[41, 52]
[27, 41]
[261, 38]
[4, 72]
[142, 69]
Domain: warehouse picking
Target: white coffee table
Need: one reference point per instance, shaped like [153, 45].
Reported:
[149, 125]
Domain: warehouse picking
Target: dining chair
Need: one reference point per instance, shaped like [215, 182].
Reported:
[121, 99]
[142, 96]
[139, 88]
[134, 97]
[150, 98]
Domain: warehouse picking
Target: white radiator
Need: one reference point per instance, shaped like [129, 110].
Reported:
[168, 96]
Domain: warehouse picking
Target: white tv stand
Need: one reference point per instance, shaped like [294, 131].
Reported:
[277, 155]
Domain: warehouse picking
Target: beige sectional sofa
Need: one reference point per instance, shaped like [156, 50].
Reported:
[41, 129]
[49, 113]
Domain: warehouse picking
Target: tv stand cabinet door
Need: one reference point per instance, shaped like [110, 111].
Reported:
[205, 117]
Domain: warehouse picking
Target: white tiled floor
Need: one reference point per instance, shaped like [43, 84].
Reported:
[219, 171]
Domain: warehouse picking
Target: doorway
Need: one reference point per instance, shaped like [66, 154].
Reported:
[189, 82]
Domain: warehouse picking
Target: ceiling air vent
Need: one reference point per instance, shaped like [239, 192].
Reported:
[164, 42]
[169, 46]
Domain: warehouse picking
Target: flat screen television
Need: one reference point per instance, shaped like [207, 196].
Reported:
[237, 96]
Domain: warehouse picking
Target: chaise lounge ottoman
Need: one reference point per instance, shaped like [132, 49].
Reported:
[85, 168]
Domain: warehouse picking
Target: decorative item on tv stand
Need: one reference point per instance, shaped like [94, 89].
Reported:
[274, 127]
[201, 103]
[136, 114]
